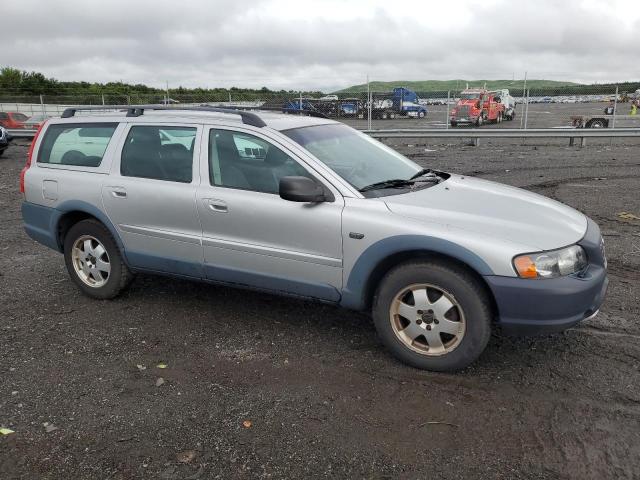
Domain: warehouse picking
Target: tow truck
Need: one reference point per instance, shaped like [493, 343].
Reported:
[477, 106]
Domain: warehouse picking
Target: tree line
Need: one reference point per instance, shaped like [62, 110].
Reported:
[20, 83]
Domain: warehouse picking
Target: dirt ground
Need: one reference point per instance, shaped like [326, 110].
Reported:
[79, 378]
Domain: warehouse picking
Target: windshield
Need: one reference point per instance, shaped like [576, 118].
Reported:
[20, 117]
[356, 157]
[469, 96]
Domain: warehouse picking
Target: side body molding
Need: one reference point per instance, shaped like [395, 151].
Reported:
[354, 293]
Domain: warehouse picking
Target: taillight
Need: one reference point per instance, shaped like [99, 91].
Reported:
[29, 155]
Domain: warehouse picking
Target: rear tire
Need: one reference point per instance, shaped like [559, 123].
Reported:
[434, 341]
[597, 123]
[94, 261]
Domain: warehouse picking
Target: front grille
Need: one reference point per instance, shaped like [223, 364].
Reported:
[463, 110]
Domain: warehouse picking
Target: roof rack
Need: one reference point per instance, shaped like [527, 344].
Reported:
[305, 111]
[248, 118]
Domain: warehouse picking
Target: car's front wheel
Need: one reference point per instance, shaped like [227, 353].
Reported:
[94, 261]
[433, 315]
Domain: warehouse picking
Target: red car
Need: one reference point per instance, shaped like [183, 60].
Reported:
[12, 120]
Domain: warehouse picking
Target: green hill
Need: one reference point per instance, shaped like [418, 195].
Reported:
[456, 85]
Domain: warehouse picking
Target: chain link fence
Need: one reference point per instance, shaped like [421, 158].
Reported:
[398, 108]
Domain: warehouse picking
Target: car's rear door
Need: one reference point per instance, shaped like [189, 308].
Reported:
[150, 197]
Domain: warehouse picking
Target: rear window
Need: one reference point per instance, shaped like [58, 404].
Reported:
[81, 145]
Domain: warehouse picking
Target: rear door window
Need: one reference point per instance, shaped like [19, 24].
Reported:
[160, 153]
[81, 145]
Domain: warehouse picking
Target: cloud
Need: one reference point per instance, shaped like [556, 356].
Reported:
[321, 44]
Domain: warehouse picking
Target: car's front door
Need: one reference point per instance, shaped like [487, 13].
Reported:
[253, 237]
[150, 196]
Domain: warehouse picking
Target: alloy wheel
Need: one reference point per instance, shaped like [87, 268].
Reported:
[90, 261]
[427, 319]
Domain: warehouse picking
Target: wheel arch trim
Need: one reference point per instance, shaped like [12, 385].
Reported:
[42, 223]
[71, 206]
[360, 285]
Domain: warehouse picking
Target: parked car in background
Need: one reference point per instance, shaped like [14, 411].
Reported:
[12, 120]
[34, 122]
[5, 138]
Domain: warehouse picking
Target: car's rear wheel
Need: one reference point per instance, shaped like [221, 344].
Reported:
[94, 261]
[433, 315]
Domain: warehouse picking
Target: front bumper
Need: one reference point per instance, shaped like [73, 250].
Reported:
[527, 307]
[469, 120]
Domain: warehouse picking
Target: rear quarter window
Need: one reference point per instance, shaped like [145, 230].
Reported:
[81, 145]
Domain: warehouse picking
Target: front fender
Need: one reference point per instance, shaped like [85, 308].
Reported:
[354, 294]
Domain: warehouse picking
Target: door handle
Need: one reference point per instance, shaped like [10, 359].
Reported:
[119, 193]
[217, 206]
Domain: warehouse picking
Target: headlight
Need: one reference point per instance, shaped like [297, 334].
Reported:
[551, 264]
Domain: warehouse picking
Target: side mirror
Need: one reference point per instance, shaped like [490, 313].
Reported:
[301, 189]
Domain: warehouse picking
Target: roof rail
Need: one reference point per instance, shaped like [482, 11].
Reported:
[304, 111]
[248, 118]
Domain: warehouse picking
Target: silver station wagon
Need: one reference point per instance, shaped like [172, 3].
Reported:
[309, 207]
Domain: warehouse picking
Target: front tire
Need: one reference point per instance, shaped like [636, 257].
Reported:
[433, 315]
[93, 260]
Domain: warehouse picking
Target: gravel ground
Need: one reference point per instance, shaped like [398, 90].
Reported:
[80, 383]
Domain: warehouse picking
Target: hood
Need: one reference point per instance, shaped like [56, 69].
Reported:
[494, 210]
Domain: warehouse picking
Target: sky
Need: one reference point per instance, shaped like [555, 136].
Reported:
[321, 45]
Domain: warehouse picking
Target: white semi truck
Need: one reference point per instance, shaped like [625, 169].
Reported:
[508, 101]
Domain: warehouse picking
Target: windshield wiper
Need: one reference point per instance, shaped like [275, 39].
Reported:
[424, 171]
[394, 183]
[426, 175]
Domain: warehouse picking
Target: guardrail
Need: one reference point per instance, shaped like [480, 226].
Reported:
[475, 133]
[478, 133]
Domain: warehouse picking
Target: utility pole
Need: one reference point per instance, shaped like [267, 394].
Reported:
[524, 91]
[369, 104]
[615, 107]
[446, 119]
[526, 111]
